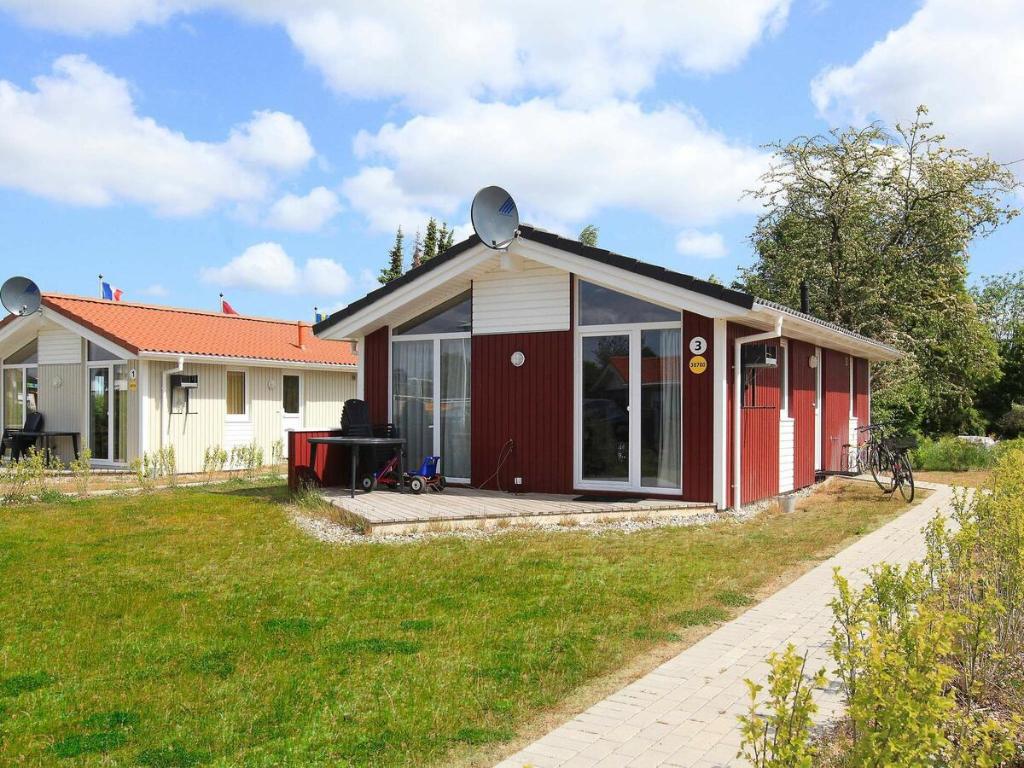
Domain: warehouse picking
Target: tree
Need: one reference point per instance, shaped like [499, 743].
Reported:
[588, 235]
[396, 261]
[417, 251]
[879, 223]
[448, 240]
[1000, 300]
[430, 240]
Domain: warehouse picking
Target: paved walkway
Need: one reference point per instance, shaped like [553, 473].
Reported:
[684, 712]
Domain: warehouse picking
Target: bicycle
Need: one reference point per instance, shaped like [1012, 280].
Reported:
[869, 455]
[897, 452]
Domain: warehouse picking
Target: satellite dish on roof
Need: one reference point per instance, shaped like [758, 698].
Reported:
[20, 296]
[495, 217]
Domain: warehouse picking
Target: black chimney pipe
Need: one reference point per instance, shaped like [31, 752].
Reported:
[805, 299]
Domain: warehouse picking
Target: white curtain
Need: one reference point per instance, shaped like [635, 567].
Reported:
[661, 375]
[412, 390]
[455, 407]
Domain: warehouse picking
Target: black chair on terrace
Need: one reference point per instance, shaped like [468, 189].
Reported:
[355, 422]
[17, 443]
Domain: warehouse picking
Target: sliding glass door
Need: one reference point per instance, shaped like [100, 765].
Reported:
[108, 412]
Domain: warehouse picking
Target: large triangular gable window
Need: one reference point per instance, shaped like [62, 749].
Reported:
[453, 316]
[603, 306]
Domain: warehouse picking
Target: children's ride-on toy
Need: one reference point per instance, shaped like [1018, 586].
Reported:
[427, 476]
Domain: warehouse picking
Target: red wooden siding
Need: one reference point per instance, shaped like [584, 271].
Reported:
[802, 379]
[698, 428]
[759, 452]
[835, 432]
[376, 373]
[861, 403]
[332, 461]
[531, 405]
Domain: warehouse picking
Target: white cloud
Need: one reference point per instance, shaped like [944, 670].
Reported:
[77, 138]
[154, 289]
[962, 58]
[436, 53]
[274, 140]
[706, 245]
[304, 214]
[267, 267]
[563, 165]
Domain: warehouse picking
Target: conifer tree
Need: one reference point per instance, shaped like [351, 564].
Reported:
[442, 238]
[417, 251]
[449, 239]
[430, 240]
[396, 260]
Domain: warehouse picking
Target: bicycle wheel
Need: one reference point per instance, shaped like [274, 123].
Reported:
[881, 469]
[905, 475]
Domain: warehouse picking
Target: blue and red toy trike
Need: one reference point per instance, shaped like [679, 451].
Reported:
[427, 476]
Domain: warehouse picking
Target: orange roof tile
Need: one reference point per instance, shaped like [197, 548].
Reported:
[151, 328]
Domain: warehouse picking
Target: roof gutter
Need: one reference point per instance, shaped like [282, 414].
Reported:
[737, 406]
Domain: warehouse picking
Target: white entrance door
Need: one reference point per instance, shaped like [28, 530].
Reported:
[818, 408]
[291, 406]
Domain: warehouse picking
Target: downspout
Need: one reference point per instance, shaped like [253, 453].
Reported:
[737, 406]
[165, 401]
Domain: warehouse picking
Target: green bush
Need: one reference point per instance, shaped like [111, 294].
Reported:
[1011, 423]
[947, 454]
[929, 658]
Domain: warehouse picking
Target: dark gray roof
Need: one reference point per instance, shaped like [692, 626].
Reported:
[678, 279]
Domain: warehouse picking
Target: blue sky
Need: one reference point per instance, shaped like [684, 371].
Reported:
[268, 149]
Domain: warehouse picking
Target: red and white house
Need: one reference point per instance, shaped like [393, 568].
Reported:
[591, 372]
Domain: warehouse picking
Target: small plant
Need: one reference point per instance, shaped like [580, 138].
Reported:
[781, 737]
[167, 465]
[144, 468]
[277, 453]
[214, 460]
[81, 469]
[248, 458]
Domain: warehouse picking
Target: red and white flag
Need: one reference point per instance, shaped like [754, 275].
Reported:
[226, 308]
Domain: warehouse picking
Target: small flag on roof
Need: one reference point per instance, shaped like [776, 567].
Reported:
[318, 316]
[226, 308]
[111, 292]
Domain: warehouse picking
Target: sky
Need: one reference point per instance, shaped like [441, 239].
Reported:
[268, 149]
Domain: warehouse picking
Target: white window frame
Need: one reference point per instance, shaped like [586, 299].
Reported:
[23, 367]
[633, 332]
[238, 417]
[90, 365]
[435, 427]
[302, 384]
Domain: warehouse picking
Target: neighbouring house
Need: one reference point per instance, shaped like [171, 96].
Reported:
[562, 368]
[135, 378]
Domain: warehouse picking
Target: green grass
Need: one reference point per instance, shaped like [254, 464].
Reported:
[200, 627]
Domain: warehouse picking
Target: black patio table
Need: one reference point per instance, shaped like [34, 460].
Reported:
[355, 443]
[47, 436]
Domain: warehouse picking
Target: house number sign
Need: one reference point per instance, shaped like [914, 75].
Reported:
[698, 345]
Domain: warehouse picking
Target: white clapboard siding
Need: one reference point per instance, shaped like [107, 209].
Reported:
[853, 443]
[59, 347]
[237, 433]
[535, 298]
[785, 454]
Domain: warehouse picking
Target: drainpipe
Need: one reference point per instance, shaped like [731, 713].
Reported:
[165, 401]
[737, 406]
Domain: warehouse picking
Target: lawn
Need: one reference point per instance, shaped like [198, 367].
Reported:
[199, 626]
[971, 478]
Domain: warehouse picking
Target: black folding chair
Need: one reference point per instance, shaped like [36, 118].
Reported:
[17, 443]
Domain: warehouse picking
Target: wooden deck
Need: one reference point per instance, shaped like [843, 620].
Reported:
[388, 511]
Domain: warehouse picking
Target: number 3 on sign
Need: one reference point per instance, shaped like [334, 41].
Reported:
[698, 345]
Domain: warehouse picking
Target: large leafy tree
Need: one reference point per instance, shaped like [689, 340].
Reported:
[1000, 299]
[396, 260]
[879, 223]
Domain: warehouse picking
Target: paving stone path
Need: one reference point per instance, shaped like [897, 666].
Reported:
[684, 712]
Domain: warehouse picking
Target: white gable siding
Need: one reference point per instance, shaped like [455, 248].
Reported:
[533, 299]
[59, 347]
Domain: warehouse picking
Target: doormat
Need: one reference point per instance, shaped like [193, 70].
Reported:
[608, 499]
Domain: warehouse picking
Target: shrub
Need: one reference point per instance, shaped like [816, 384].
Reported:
[277, 453]
[81, 468]
[1011, 423]
[782, 737]
[214, 460]
[947, 454]
[248, 458]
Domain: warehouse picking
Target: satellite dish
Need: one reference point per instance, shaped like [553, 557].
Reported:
[495, 217]
[20, 296]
